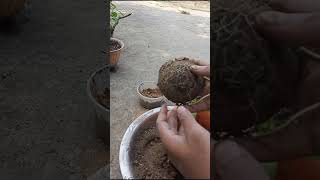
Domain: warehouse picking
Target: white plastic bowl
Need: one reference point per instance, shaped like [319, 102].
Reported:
[147, 102]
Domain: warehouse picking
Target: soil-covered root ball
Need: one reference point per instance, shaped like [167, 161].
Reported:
[177, 82]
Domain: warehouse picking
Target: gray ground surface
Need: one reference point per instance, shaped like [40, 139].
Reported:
[46, 130]
[152, 35]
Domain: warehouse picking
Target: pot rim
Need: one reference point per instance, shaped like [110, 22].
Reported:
[118, 41]
[89, 89]
[124, 156]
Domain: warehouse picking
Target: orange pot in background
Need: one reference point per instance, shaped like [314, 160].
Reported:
[115, 55]
[300, 169]
[203, 118]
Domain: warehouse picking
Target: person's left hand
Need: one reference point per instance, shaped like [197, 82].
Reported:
[294, 22]
[187, 142]
[202, 69]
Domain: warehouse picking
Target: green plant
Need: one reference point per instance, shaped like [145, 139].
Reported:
[115, 16]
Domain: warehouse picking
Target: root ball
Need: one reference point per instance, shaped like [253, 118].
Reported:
[177, 82]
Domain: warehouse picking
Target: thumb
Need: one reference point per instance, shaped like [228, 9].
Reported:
[292, 28]
[201, 70]
[186, 119]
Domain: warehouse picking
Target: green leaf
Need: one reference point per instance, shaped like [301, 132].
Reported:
[114, 14]
[112, 6]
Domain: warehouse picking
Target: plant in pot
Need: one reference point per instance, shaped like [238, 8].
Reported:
[116, 45]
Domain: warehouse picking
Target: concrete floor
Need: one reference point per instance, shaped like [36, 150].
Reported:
[46, 130]
[152, 35]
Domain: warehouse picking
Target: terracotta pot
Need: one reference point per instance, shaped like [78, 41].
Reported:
[10, 7]
[299, 169]
[115, 54]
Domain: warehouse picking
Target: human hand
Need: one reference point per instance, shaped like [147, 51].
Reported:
[202, 68]
[187, 143]
[291, 142]
[292, 21]
[231, 160]
[298, 138]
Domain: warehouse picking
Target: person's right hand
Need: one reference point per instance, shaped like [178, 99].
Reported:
[295, 22]
[202, 69]
[186, 141]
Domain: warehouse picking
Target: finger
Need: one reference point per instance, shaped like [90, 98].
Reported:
[181, 131]
[206, 88]
[200, 62]
[162, 123]
[186, 119]
[201, 70]
[162, 116]
[166, 135]
[297, 29]
[173, 120]
[202, 106]
[296, 5]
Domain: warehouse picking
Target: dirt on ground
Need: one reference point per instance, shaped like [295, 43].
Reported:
[150, 158]
[194, 5]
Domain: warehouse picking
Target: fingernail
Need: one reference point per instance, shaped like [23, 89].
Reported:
[181, 108]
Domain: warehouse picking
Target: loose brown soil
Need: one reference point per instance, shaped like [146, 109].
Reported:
[114, 45]
[150, 158]
[177, 82]
[104, 99]
[151, 93]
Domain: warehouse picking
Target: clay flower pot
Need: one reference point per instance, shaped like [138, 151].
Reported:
[115, 54]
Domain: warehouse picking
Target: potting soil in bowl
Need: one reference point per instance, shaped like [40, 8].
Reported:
[150, 158]
[151, 92]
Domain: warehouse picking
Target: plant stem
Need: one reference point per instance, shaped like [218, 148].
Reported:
[125, 16]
